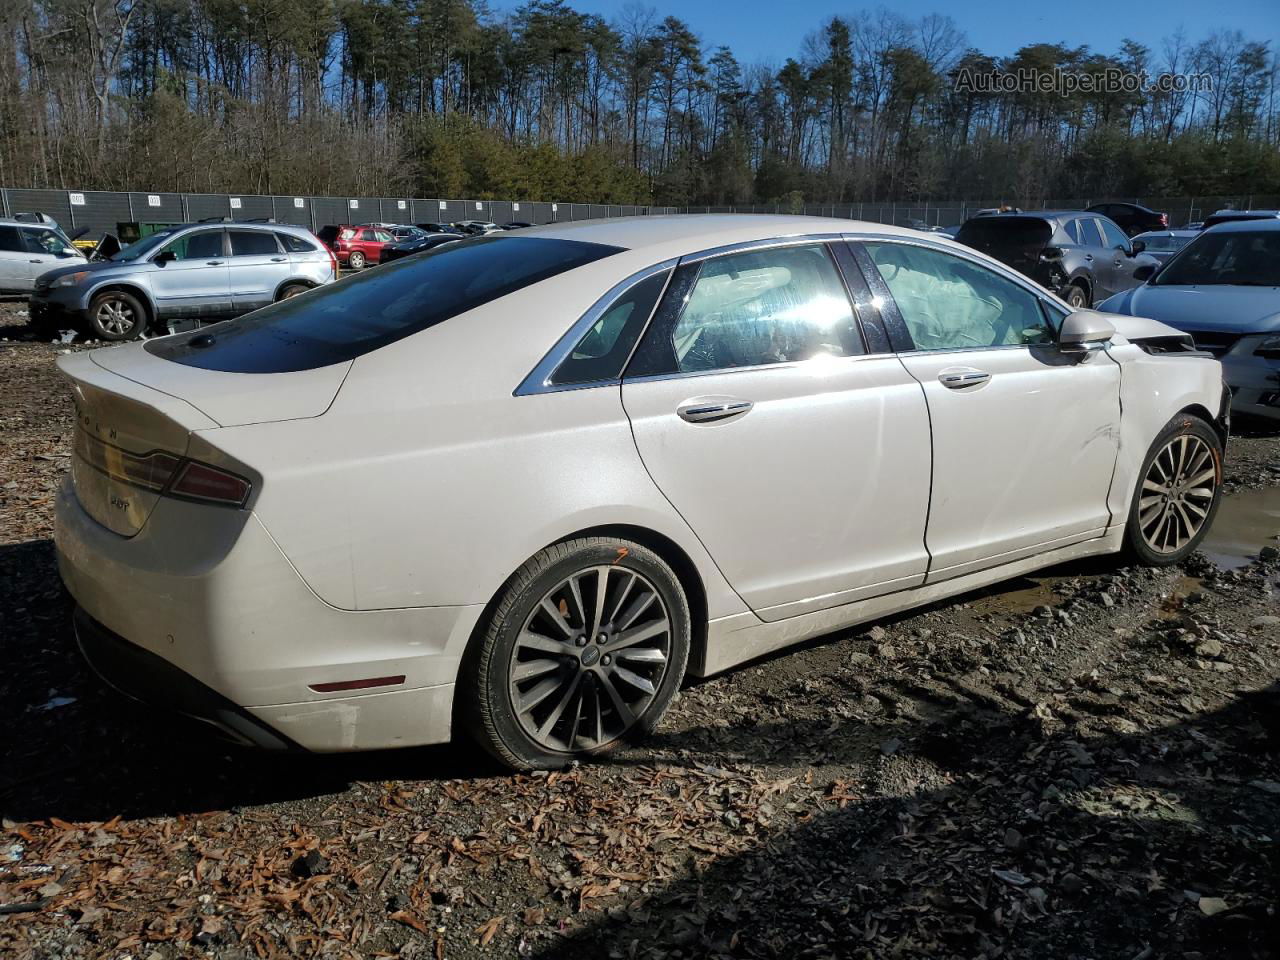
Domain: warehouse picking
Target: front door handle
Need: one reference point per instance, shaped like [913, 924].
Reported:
[709, 411]
[960, 378]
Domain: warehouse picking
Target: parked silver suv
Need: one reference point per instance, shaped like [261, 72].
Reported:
[180, 277]
[29, 249]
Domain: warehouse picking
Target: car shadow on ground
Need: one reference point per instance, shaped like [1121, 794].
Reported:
[74, 749]
[79, 751]
[1007, 837]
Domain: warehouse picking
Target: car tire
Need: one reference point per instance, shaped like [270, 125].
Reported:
[1177, 493]
[356, 261]
[116, 315]
[549, 681]
[1077, 297]
[290, 290]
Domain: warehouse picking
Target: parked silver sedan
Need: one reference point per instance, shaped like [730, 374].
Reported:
[183, 275]
[518, 487]
[1223, 288]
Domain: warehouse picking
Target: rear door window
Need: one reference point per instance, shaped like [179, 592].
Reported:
[252, 243]
[341, 321]
[11, 240]
[758, 307]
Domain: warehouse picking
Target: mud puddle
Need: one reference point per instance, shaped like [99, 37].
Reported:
[1245, 523]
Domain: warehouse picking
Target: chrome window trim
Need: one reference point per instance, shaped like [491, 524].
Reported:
[794, 240]
[797, 364]
[995, 266]
[538, 381]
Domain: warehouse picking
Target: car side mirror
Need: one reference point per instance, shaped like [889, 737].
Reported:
[163, 257]
[1084, 330]
[1138, 247]
[1145, 272]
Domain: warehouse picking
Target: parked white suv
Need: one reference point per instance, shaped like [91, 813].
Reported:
[28, 250]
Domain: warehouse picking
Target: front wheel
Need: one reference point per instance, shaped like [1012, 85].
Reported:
[116, 315]
[585, 650]
[1177, 493]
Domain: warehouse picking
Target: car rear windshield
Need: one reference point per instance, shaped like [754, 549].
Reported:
[344, 320]
[999, 235]
[1236, 258]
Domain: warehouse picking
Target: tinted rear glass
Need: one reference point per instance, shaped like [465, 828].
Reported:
[994, 234]
[344, 320]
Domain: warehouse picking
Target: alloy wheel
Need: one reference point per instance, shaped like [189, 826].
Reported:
[115, 317]
[589, 659]
[1177, 493]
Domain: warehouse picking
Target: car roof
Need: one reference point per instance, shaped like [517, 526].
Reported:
[678, 234]
[1176, 232]
[15, 222]
[238, 224]
[1245, 226]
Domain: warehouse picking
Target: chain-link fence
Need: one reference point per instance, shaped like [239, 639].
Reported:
[102, 211]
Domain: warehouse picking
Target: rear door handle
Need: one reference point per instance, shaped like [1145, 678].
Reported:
[214, 263]
[960, 378]
[1089, 257]
[279, 259]
[704, 411]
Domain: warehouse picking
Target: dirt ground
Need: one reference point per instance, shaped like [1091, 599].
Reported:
[1082, 764]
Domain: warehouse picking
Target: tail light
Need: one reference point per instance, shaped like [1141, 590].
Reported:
[1049, 254]
[164, 473]
[199, 481]
[1164, 220]
[333, 262]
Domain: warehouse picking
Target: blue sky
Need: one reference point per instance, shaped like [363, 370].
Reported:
[772, 30]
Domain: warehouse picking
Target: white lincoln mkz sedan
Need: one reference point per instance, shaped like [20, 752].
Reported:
[521, 485]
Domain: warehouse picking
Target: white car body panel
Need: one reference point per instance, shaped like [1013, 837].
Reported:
[817, 496]
[393, 495]
[1039, 472]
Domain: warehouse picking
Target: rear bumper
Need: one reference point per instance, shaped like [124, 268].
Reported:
[153, 680]
[242, 641]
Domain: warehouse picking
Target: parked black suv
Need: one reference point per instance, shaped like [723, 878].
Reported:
[1082, 257]
[1133, 218]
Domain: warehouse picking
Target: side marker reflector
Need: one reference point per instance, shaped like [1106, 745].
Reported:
[356, 684]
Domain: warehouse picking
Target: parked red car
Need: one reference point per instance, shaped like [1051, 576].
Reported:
[356, 246]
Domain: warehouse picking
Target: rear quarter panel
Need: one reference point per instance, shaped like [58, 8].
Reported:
[428, 483]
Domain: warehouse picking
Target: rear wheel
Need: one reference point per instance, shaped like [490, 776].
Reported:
[1177, 493]
[356, 260]
[1077, 297]
[116, 315]
[290, 290]
[584, 651]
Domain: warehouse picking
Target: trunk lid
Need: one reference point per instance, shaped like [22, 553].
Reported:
[1016, 241]
[229, 399]
[135, 414]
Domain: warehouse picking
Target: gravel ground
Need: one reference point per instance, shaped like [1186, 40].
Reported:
[1079, 764]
